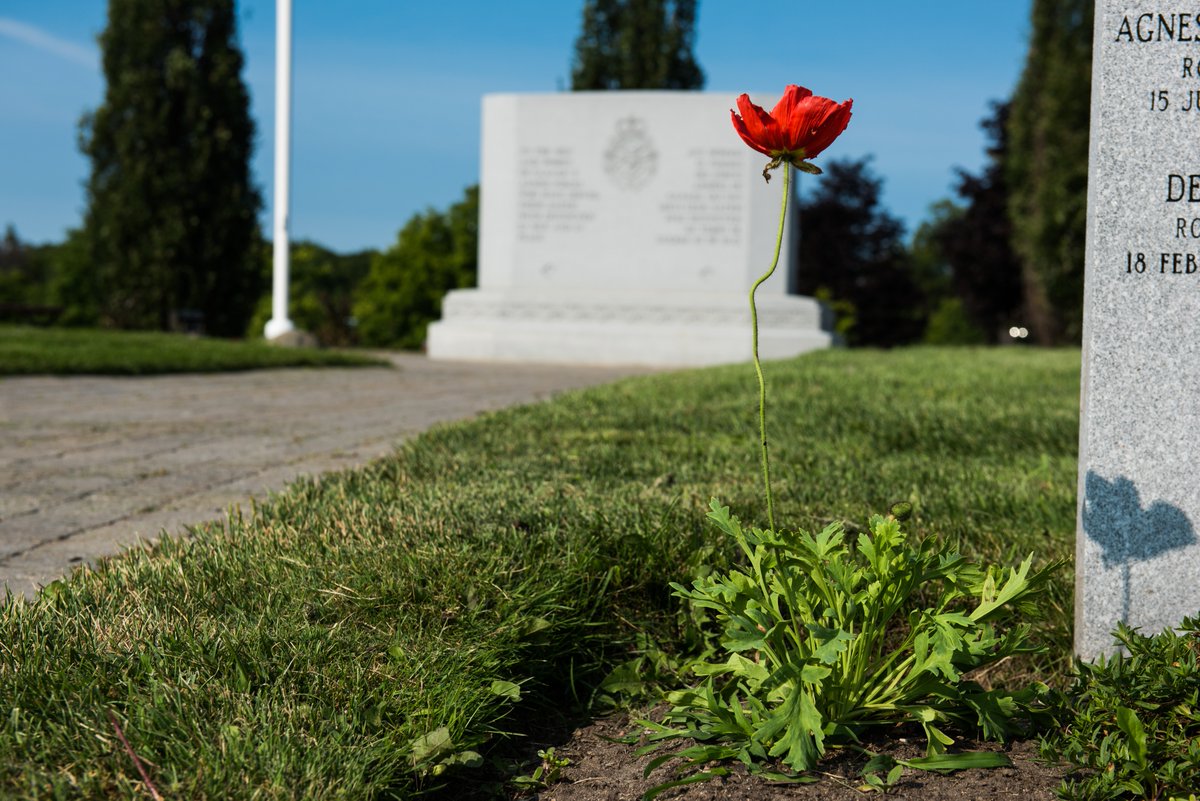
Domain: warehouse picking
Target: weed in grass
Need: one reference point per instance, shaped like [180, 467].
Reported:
[824, 637]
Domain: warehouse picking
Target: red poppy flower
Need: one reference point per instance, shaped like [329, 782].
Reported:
[799, 127]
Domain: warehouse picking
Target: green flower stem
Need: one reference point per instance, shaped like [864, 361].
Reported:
[762, 386]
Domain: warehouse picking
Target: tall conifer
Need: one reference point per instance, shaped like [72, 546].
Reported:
[171, 220]
[637, 44]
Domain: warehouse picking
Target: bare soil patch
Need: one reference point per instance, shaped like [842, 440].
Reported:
[603, 770]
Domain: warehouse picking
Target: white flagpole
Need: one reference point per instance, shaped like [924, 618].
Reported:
[279, 323]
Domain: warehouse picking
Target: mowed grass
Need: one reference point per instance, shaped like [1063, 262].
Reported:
[359, 636]
[26, 350]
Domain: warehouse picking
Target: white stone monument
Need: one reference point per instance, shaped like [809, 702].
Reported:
[1137, 554]
[624, 228]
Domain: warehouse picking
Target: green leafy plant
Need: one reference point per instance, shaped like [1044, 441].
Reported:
[1137, 719]
[432, 754]
[548, 772]
[827, 636]
[873, 781]
[402, 292]
[640, 679]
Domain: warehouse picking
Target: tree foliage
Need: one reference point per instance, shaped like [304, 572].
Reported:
[852, 255]
[1046, 166]
[321, 291]
[18, 284]
[637, 44]
[171, 216]
[37, 277]
[402, 293]
[976, 244]
[947, 322]
[930, 269]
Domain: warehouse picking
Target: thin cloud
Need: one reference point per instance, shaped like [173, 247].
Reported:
[46, 42]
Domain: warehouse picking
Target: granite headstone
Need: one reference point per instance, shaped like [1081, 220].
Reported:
[1137, 553]
[623, 228]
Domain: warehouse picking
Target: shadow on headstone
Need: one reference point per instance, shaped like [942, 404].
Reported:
[1113, 518]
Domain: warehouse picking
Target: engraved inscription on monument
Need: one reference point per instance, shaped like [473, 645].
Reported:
[1137, 550]
[1168, 90]
[709, 211]
[551, 196]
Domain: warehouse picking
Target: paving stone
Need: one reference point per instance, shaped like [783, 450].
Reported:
[91, 465]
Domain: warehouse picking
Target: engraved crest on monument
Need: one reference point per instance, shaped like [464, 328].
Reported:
[630, 160]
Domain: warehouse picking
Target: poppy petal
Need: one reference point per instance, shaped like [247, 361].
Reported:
[793, 96]
[828, 127]
[761, 130]
[740, 126]
[799, 127]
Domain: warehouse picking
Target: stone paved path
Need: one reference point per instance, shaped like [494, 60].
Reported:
[91, 464]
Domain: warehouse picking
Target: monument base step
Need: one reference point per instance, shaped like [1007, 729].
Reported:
[678, 329]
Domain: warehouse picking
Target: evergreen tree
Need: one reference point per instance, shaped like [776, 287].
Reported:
[637, 44]
[1047, 166]
[977, 243]
[171, 218]
[852, 256]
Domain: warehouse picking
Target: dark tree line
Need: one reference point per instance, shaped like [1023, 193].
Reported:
[1008, 253]
[852, 255]
[1017, 250]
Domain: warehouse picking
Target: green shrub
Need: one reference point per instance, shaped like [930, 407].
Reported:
[403, 291]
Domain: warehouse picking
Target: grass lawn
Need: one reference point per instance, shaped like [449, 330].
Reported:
[358, 637]
[25, 350]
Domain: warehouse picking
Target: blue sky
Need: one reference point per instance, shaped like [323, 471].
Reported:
[387, 94]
